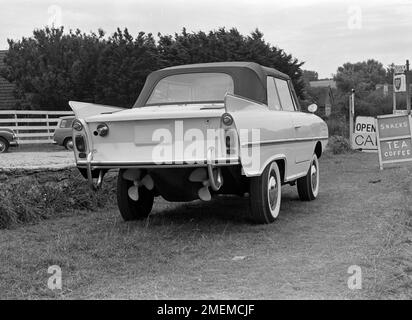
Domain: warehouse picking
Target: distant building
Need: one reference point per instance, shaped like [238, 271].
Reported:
[7, 99]
[384, 88]
[387, 89]
[323, 83]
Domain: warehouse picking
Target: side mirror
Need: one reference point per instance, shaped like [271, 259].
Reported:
[312, 108]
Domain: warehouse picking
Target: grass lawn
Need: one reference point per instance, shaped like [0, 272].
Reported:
[209, 250]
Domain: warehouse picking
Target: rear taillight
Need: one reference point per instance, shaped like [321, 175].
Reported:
[227, 141]
[77, 125]
[231, 141]
[80, 143]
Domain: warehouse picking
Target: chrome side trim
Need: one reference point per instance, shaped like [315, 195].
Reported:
[249, 144]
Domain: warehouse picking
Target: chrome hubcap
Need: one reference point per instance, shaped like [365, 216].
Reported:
[273, 192]
[2, 146]
[314, 175]
[70, 145]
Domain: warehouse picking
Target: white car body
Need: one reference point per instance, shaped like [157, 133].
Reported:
[261, 132]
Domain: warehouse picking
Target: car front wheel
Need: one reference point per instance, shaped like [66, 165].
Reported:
[265, 195]
[129, 208]
[4, 145]
[308, 186]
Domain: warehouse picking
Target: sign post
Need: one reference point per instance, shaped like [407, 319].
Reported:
[408, 97]
[351, 115]
[394, 134]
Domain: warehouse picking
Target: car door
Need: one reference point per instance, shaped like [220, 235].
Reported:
[301, 126]
[283, 112]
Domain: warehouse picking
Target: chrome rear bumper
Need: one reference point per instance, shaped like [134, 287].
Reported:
[89, 164]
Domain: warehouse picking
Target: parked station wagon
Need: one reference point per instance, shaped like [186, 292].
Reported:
[63, 133]
[197, 131]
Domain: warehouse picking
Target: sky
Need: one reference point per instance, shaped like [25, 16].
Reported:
[324, 34]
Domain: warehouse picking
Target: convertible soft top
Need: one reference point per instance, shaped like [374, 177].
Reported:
[249, 78]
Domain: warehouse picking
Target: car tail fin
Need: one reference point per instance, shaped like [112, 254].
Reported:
[83, 110]
[235, 103]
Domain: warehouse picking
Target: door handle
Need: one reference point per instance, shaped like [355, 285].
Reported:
[297, 126]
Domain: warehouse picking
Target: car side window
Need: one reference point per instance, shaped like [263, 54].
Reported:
[284, 95]
[66, 123]
[272, 93]
[294, 97]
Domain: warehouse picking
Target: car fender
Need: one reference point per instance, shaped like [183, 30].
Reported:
[7, 134]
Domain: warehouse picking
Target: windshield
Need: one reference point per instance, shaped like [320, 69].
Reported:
[191, 88]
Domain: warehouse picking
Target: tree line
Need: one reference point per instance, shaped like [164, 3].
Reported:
[52, 66]
[363, 77]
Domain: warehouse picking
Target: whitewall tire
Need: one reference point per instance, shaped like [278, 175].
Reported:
[265, 195]
[308, 186]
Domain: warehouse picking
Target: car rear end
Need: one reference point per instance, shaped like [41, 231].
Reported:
[190, 135]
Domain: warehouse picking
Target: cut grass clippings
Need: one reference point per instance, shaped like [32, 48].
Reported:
[28, 197]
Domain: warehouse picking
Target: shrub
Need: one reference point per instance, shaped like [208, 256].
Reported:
[339, 145]
[33, 197]
[338, 126]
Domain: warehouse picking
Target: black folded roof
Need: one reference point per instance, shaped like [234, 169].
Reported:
[249, 78]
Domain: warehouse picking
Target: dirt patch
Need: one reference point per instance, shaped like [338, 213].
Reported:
[36, 160]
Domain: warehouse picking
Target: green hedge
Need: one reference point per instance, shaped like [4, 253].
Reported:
[53, 66]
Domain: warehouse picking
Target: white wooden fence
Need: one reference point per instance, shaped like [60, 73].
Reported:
[32, 126]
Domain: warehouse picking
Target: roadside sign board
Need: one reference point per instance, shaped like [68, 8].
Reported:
[394, 133]
[399, 69]
[396, 150]
[364, 137]
[399, 83]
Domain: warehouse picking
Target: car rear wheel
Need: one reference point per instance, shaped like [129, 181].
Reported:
[265, 195]
[308, 186]
[130, 209]
[68, 144]
[4, 145]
